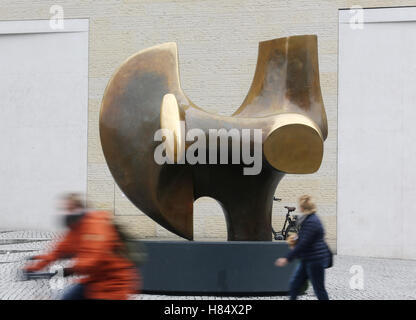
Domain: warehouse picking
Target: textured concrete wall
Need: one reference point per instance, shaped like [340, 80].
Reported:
[217, 43]
[41, 119]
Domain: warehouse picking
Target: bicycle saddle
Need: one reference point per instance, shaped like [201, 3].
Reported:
[290, 209]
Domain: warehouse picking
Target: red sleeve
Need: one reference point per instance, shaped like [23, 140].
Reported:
[61, 249]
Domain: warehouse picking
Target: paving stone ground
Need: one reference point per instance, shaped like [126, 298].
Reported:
[381, 278]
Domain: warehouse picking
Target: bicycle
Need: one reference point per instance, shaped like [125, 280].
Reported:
[290, 225]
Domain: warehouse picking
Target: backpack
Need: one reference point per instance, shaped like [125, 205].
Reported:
[133, 249]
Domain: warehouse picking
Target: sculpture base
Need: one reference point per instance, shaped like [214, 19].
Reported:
[215, 268]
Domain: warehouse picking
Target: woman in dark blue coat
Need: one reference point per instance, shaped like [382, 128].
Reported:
[311, 250]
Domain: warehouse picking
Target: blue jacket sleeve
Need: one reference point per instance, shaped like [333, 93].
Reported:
[306, 236]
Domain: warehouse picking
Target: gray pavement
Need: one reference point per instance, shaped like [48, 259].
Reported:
[356, 278]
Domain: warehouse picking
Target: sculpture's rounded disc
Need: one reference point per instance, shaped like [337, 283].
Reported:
[296, 147]
[170, 120]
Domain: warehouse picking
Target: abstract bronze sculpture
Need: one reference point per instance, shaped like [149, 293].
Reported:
[284, 101]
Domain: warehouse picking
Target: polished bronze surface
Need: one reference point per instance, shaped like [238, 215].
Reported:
[284, 101]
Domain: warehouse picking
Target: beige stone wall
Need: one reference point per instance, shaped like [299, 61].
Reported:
[217, 43]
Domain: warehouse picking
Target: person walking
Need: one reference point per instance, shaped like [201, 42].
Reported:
[312, 250]
[95, 247]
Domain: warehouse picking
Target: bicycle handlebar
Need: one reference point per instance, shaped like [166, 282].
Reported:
[37, 275]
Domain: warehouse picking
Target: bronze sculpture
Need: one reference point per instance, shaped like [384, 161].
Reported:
[284, 101]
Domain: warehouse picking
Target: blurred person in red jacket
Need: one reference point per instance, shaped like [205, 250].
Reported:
[94, 245]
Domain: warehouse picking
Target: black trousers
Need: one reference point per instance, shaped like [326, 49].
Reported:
[313, 271]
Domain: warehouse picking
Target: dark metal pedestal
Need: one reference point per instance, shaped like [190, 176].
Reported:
[218, 268]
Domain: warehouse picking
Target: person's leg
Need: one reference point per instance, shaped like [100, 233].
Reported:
[75, 292]
[298, 279]
[316, 273]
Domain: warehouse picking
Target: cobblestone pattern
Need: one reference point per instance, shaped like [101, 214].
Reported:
[382, 278]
